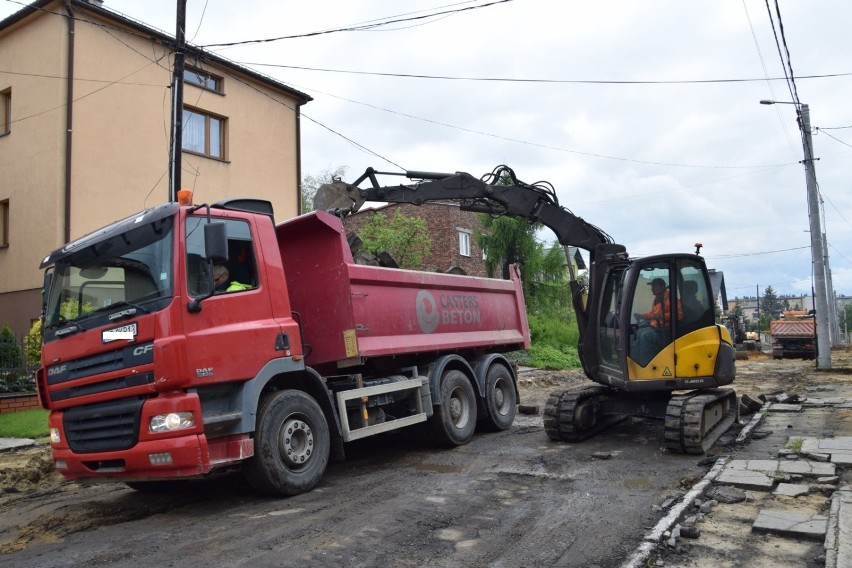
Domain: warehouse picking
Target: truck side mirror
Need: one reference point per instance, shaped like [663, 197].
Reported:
[216, 242]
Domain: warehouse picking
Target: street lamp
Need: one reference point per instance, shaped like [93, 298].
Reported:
[817, 253]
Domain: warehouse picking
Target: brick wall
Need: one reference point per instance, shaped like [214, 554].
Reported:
[443, 221]
[16, 402]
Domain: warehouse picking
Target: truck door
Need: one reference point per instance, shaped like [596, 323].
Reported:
[233, 334]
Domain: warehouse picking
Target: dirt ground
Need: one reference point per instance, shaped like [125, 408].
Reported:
[43, 512]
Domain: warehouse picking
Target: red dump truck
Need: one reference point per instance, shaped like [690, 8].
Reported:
[793, 338]
[153, 374]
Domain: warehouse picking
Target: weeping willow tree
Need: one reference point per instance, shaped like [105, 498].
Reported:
[544, 274]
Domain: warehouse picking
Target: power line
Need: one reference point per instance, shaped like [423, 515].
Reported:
[318, 123]
[539, 145]
[64, 78]
[542, 81]
[768, 81]
[832, 137]
[356, 28]
[724, 256]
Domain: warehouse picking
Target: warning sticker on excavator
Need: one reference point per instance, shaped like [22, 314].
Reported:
[666, 372]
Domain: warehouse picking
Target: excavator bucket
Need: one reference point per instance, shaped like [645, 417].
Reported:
[338, 195]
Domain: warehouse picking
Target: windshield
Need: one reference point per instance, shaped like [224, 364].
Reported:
[134, 267]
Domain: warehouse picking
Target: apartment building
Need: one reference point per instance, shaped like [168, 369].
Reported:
[85, 108]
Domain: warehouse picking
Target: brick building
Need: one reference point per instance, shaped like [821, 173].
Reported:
[452, 232]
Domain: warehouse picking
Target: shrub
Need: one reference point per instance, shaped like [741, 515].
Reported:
[32, 345]
[10, 353]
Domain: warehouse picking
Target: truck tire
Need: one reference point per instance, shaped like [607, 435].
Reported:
[454, 421]
[501, 399]
[291, 444]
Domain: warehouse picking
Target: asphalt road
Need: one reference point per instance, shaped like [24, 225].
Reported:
[510, 498]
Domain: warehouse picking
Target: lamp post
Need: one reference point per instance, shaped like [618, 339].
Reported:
[817, 253]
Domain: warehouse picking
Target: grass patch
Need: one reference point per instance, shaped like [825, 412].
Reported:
[30, 423]
[549, 357]
[554, 343]
[795, 444]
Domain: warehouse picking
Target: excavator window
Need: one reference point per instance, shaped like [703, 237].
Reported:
[652, 303]
[609, 334]
[696, 299]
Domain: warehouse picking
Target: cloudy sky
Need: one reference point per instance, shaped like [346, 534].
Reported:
[643, 114]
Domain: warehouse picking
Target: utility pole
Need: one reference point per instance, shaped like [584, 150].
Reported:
[834, 327]
[817, 249]
[817, 252]
[176, 145]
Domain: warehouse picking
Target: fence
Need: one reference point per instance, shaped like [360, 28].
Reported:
[18, 363]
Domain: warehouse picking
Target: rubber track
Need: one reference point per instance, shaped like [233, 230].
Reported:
[684, 417]
[559, 414]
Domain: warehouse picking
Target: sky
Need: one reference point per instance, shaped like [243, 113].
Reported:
[644, 115]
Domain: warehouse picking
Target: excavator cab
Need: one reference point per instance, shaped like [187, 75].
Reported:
[656, 327]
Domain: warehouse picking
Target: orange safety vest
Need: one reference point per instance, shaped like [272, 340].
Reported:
[658, 317]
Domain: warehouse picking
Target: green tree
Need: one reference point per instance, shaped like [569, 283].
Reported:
[544, 276]
[405, 238]
[10, 353]
[771, 306]
[311, 183]
[544, 272]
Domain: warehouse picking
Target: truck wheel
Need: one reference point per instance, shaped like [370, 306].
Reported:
[454, 421]
[291, 444]
[500, 397]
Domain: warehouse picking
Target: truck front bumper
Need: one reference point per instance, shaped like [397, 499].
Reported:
[186, 456]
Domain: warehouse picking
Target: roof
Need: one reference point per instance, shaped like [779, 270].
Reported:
[166, 39]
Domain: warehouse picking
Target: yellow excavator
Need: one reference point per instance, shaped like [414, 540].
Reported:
[647, 326]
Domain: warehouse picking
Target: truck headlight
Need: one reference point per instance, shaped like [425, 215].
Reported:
[172, 421]
[54, 436]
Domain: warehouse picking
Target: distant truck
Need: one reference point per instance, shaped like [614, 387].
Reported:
[793, 338]
[154, 374]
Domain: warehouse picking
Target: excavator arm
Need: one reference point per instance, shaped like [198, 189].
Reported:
[497, 193]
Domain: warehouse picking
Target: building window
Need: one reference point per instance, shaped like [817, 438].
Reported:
[5, 111]
[202, 79]
[204, 133]
[4, 223]
[464, 243]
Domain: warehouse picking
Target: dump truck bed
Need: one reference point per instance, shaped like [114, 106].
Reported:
[351, 313]
[792, 328]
